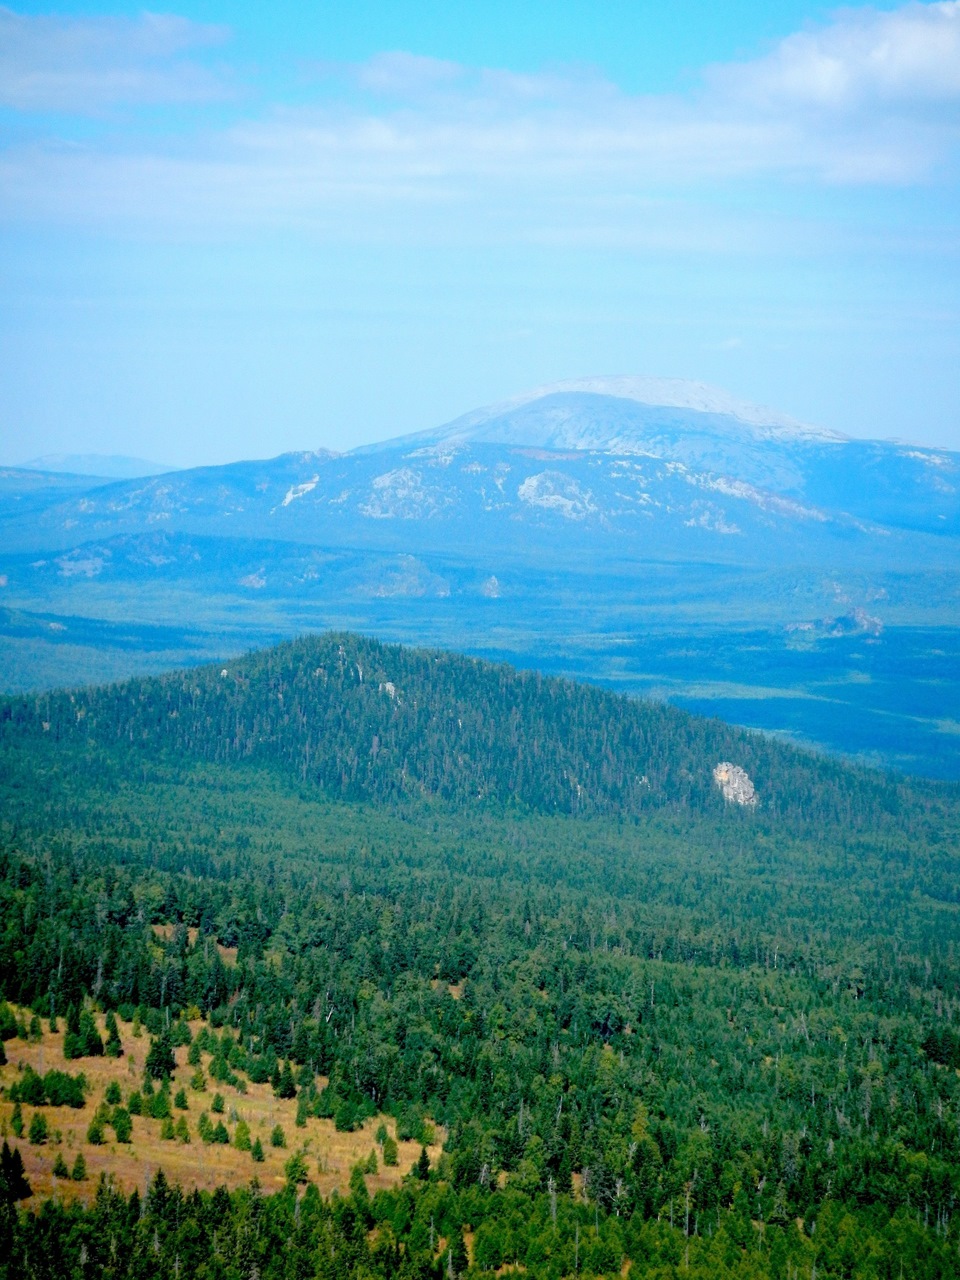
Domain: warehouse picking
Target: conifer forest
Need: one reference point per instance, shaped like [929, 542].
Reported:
[579, 1015]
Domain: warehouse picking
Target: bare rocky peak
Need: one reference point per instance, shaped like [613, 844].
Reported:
[734, 783]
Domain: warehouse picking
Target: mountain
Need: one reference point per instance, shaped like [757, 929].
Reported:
[367, 721]
[109, 465]
[560, 529]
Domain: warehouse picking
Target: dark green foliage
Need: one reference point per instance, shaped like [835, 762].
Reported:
[217, 1104]
[60, 1169]
[39, 1130]
[55, 1089]
[220, 1133]
[159, 1107]
[180, 1100]
[114, 1048]
[79, 1171]
[256, 1151]
[112, 1094]
[713, 1023]
[16, 1120]
[277, 1136]
[296, 1168]
[286, 1086]
[13, 1180]
[454, 728]
[8, 1023]
[135, 1103]
[161, 1062]
[422, 1167]
[85, 1041]
[122, 1124]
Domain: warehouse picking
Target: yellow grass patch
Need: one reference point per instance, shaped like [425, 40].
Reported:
[330, 1155]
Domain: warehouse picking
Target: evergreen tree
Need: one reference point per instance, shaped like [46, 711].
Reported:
[160, 1062]
[13, 1179]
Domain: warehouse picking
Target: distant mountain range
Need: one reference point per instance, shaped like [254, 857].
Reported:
[562, 522]
[112, 466]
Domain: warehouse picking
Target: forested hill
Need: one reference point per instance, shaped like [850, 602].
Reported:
[362, 720]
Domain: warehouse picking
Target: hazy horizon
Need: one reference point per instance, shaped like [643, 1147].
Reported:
[229, 233]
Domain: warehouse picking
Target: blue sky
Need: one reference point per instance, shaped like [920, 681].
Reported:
[232, 230]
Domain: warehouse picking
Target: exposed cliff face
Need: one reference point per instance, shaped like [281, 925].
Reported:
[734, 783]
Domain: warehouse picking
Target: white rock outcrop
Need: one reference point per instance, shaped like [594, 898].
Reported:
[734, 783]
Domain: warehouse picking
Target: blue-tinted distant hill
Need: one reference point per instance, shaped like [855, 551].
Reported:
[564, 529]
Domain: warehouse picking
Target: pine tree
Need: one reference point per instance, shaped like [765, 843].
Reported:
[13, 1179]
[286, 1086]
[256, 1151]
[161, 1063]
[38, 1128]
[79, 1171]
[422, 1167]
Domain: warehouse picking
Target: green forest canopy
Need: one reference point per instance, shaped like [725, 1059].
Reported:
[712, 1036]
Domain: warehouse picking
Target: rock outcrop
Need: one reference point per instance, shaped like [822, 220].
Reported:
[734, 783]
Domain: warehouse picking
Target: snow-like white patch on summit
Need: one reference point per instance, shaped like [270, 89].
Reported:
[559, 424]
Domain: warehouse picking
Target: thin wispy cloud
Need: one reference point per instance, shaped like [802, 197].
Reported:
[83, 65]
[871, 98]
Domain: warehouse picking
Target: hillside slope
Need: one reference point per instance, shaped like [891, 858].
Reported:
[364, 720]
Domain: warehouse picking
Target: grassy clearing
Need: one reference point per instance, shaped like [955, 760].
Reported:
[330, 1155]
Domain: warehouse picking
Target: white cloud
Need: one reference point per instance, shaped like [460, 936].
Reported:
[83, 65]
[909, 58]
[560, 157]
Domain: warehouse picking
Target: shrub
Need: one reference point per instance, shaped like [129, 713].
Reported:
[60, 1169]
[180, 1100]
[241, 1136]
[391, 1153]
[278, 1137]
[198, 1081]
[167, 1130]
[182, 1130]
[79, 1171]
[16, 1120]
[217, 1104]
[95, 1132]
[112, 1094]
[135, 1104]
[257, 1151]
